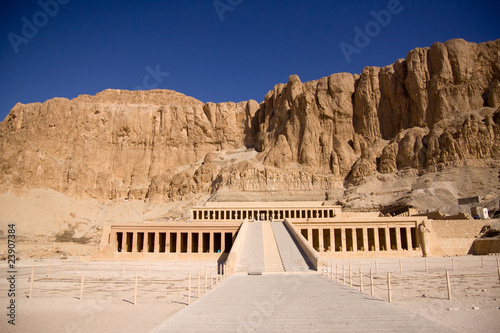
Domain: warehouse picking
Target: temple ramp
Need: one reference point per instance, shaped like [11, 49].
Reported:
[272, 258]
[291, 256]
[292, 303]
[251, 257]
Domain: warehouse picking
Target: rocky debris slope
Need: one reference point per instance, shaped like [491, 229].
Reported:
[437, 109]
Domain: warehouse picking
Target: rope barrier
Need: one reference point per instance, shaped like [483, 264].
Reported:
[96, 277]
[435, 277]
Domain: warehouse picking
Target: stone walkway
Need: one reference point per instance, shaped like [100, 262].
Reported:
[269, 247]
[284, 302]
[272, 257]
[292, 258]
[251, 258]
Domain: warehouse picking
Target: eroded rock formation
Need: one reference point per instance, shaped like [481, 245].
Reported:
[438, 108]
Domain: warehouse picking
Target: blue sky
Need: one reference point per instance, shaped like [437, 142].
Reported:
[238, 52]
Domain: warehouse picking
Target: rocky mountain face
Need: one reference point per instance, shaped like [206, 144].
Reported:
[437, 109]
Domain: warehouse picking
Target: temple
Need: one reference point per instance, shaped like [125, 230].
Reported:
[319, 228]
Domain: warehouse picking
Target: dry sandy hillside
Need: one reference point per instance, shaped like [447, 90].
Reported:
[49, 223]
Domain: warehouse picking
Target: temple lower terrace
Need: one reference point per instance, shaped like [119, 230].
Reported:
[314, 231]
[276, 267]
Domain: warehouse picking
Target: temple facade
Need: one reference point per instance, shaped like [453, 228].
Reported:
[211, 230]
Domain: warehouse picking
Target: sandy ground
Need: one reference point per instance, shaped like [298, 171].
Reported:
[108, 292]
[43, 215]
[474, 283]
[107, 302]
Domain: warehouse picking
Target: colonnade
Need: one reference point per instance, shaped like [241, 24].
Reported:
[136, 241]
[206, 214]
[362, 238]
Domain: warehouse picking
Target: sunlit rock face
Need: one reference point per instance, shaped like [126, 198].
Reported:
[437, 109]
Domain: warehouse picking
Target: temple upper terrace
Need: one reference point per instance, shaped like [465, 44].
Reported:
[263, 211]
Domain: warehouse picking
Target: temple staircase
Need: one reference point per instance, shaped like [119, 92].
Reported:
[269, 247]
[272, 257]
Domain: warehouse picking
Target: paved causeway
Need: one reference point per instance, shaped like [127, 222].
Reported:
[291, 303]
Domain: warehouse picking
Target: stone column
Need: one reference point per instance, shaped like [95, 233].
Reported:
[145, 244]
[167, 242]
[398, 238]
[344, 239]
[387, 239]
[211, 248]
[310, 236]
[222, 241]
[321, 240]
[332, 240]
[134, 242]
[178, 243]
[157, 242]
[354, 239]
[376, 239]
[408, 238]
[200, 242]
[365, 239]
[189, 242]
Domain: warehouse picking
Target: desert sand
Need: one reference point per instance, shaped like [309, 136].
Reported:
[107, 302]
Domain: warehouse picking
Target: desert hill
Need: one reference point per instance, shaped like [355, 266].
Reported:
[423, 131]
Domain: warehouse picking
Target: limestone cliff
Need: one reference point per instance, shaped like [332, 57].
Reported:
[438, 108]
[111, 145]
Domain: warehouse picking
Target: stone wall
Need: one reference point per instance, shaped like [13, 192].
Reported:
[486, 246]
[453, 237]
[457, 228]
